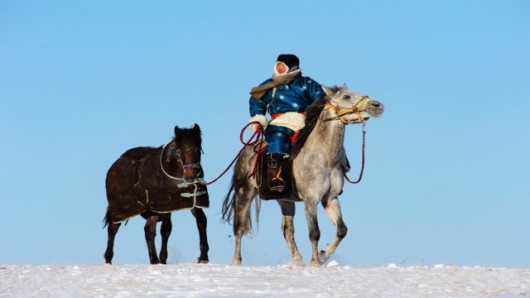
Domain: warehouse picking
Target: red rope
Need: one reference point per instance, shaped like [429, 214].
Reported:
[254, 139]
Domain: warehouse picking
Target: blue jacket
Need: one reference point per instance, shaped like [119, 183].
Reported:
[293, 96]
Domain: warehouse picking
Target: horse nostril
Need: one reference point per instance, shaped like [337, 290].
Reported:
[376, 104]
[189, 174]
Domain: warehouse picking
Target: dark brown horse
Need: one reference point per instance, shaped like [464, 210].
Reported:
[153, 182]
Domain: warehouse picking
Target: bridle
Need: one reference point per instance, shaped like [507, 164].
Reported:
[341, 112]
[184, 166]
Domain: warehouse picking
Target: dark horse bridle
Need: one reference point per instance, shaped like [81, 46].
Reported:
[183, 182]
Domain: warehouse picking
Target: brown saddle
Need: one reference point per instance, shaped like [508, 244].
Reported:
[262, 180]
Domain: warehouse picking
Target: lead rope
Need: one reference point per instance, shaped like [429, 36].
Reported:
[254, 139]
[362, 159]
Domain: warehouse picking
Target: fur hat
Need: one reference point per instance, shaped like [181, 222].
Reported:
[290, 60]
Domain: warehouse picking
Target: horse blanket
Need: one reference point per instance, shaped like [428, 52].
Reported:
[159, 194]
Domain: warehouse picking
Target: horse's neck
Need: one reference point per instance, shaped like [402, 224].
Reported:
[325, 141]
[168, 166]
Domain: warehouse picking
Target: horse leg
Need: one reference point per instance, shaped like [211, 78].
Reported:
[165, 231]
[288, 211]
[334, 213]
[111, 231]
[314, 231]
[242, 223]
[202, 223]
[150, 234]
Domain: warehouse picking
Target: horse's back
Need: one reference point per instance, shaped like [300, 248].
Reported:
[139, 153]
[125, 168]
[124, 171]
[123, 190]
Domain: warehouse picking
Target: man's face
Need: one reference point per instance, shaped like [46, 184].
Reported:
[281, 68]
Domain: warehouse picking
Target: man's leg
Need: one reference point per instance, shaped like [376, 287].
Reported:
[278, 150]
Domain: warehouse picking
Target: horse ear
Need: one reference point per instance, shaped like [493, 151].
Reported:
[197, 128]
[177, 129]
[327, 90]
[344, 86]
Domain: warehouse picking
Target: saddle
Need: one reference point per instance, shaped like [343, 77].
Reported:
[289, 193]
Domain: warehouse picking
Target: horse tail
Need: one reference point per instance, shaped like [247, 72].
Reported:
[229, 203]
[229, 209]
[106, 219]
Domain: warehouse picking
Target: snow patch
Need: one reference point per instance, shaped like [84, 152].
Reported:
[215, 280]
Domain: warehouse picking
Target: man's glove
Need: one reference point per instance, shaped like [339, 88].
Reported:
[258, 118]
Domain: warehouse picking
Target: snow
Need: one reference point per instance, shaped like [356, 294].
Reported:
[219, 280]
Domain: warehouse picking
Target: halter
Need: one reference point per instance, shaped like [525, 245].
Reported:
[184, 166]
[341, 112]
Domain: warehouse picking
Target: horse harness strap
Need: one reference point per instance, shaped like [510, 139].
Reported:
[184, 166]
[345, 111]
[169, 200]
[341, 112]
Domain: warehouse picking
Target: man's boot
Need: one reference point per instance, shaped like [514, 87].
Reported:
[274, 162]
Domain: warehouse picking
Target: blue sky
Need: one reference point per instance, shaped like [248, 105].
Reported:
[446, 179]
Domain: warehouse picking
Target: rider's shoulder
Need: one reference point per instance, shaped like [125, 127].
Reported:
[304, 81]
[308, 79]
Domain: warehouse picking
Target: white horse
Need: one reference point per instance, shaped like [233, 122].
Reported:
[318, 159]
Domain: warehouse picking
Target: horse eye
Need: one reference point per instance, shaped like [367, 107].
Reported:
[346, 97]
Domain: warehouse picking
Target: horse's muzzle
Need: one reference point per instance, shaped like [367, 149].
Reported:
[376, 108]
[191, 171]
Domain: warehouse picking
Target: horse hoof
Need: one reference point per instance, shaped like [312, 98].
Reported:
[323, 257]
[155, 262]
[203, 261]
[316, 264]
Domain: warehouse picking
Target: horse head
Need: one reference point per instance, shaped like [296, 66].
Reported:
[183, 154]
[189, 143]
[351, 107]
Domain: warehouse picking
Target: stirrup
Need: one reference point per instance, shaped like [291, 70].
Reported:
[277, 184]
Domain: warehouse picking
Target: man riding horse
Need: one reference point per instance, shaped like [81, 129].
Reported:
[285, 98]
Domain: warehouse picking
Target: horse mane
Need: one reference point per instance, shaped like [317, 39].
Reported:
[312, 114]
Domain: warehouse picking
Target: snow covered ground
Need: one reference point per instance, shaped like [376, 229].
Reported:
[215, 280]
